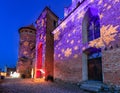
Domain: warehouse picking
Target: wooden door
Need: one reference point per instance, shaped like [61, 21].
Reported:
[95, 69]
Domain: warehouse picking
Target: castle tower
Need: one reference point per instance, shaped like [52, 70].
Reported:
[26, 50]
[45, 24]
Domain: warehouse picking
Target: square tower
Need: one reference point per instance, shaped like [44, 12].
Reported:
[45, 24]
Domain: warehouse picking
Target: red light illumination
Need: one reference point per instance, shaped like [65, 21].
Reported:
[39, 61]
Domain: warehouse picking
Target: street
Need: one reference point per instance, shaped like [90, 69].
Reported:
[12, 85]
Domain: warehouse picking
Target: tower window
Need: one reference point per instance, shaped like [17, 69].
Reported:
[30, 31]
[55, 23]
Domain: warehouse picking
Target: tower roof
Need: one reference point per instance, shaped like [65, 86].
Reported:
[31, 26]
[48, 9]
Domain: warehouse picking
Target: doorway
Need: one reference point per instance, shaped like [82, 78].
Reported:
[95, 66]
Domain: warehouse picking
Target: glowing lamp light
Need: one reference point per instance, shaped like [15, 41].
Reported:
[42, 71]
[15, 75]
[2, 73]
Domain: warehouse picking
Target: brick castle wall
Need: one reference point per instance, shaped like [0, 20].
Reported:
[69, 45]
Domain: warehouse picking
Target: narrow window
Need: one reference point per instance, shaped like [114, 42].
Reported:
[93, 29]
[54, 23]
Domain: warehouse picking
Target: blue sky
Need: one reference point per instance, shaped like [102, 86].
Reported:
[17, 13]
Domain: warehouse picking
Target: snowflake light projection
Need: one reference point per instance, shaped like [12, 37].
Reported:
[56, 36]
[109, 7]
[76, 48]
[63, 25]
[72, 41]
[68, 52]
[25, 52]
[75, 56]
[26, 43]
[74, 31]
[115, 1]
[100, 2]
[80, 15]
[108, 34]
[101, 16]
[91, 0]
[62, 50]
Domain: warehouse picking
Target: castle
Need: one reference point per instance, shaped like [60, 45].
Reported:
[84, 46]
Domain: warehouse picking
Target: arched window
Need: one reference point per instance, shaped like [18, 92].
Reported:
[93, 31]
[91, 25]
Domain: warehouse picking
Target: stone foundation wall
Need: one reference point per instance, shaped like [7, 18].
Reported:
[68, 70]
[24, 68]
[111, 66]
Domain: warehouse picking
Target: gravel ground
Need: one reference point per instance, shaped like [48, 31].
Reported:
[29, 86]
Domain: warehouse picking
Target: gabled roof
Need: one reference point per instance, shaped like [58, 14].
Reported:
[48, 9]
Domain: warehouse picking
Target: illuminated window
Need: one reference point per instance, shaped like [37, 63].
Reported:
[93, 31]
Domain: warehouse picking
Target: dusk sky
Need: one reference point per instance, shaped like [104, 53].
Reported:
[18, 13]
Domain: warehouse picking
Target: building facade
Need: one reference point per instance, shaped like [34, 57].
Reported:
[26, 50]
[84, 46]
[86, 43]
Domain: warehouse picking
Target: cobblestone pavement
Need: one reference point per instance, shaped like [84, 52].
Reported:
[29, 86]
